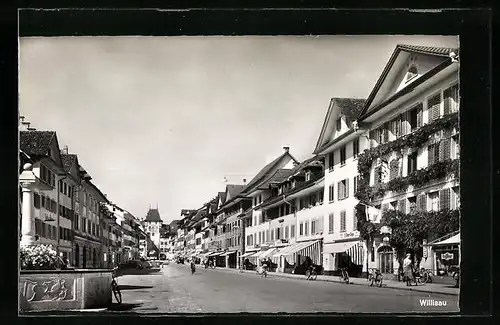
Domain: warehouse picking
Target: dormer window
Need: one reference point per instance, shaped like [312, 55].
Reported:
[339, 123]
[308, 175]
[412, 73]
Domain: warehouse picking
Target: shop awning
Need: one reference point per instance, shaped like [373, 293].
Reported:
[247, 254]
[338, 247]
[455, 240]
[310, 249]
[258, 254]
[268, 253]
[217, 254]
[229, 253]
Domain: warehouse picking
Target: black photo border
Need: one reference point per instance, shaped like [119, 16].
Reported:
[473, 26]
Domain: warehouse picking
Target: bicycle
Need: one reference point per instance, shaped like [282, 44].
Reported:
[344, 276]
[262, 271]
[311, 274]
[424, 276]
[115, 288]
[375, 277]
[456, 277]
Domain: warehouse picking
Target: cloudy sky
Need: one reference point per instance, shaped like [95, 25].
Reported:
[162, 120]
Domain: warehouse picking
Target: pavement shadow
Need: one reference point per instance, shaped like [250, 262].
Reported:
[123, 306]
[132, 287]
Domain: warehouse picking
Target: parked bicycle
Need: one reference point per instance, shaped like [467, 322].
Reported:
[344, 276]
[114, 287]
[311, 273]
[375, 277]
[423, 276]
[456, 277]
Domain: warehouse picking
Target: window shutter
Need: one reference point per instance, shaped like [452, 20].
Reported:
[339, 189]
[330, 223]
[386, 132]
[404, 122]
[445, 150]
[346, 194]
[430, 154]
[394, 167]
[376, 174]
[420, 116]
[422, 202]
[444, 199]
[433, 107]
[447, 101]
[402, 205]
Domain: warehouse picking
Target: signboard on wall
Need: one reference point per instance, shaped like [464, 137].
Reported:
[349, 234]
[447, 256]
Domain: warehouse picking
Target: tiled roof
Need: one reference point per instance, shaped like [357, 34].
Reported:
[433, 50]
[68, 161]
[222, 196]
[153, 216]
[264, 171]
[308, 162]
[279, 176]
[36, 142]
[350, 108]
[234, 189]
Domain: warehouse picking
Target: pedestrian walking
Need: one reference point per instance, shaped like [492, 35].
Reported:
[408, 269]
[193, 267]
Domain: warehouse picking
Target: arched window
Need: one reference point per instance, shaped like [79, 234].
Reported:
[412, 72]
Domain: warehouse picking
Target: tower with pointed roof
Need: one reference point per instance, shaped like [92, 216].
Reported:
[152, 225]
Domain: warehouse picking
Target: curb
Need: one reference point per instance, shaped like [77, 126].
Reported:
[273, 274]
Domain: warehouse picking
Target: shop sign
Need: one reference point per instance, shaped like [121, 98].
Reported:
[349, 234]
[447, 256]
[425, 252]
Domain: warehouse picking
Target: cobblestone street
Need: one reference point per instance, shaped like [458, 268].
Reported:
[176, 290]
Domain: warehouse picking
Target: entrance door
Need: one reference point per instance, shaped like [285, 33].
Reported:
[386, 260]
[84, 263]
[77, 255]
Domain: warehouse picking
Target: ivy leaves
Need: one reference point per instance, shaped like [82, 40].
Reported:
[412, 140]
[417, 178]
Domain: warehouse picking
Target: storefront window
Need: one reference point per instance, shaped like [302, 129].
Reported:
[447, 259]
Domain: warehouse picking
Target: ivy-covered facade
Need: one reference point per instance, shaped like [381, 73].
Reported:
[408, 189]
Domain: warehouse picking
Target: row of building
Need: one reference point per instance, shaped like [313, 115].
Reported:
[61, 206]
[397, 150]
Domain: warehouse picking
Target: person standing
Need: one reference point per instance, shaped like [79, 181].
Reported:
[408, 269]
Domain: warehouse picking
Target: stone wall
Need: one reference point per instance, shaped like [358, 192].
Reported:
[64, 289]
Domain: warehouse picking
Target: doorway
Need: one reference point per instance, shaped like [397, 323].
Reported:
[386, 259]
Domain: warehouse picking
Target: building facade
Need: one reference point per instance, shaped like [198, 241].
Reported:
[411, 167]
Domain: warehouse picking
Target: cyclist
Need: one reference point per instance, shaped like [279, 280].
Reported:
[264, 269]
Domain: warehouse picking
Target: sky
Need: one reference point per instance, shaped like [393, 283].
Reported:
[160, 121]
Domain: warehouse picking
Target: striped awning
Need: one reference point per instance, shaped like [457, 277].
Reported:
[229, 253]
[311, 249]
[247, 254]
[258, 254]
[267, 253]
[338, 247]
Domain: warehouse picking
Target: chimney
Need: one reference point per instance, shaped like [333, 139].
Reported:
[64, 150]
[286, 149]
[244, 181]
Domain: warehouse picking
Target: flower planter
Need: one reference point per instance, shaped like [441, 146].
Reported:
[42, 290]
